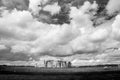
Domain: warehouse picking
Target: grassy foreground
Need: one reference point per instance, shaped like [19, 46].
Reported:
[82, 73]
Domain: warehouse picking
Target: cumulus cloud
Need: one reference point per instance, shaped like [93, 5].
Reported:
[22, 33]
[116, 28]
[100, 35]
[36, 5]
[16, 26]
[33, 37]
[113, 6]
[18, 4]
[53, 9]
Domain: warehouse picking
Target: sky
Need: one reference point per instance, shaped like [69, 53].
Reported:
[29, 31]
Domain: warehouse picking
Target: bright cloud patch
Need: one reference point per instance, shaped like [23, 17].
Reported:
[53, 9]
[113, 6]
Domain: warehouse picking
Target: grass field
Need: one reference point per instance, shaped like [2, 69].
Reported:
[83, 73]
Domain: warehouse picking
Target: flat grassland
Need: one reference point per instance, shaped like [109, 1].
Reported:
[81, 73]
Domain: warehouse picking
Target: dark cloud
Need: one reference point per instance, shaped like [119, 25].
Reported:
[7, 55]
